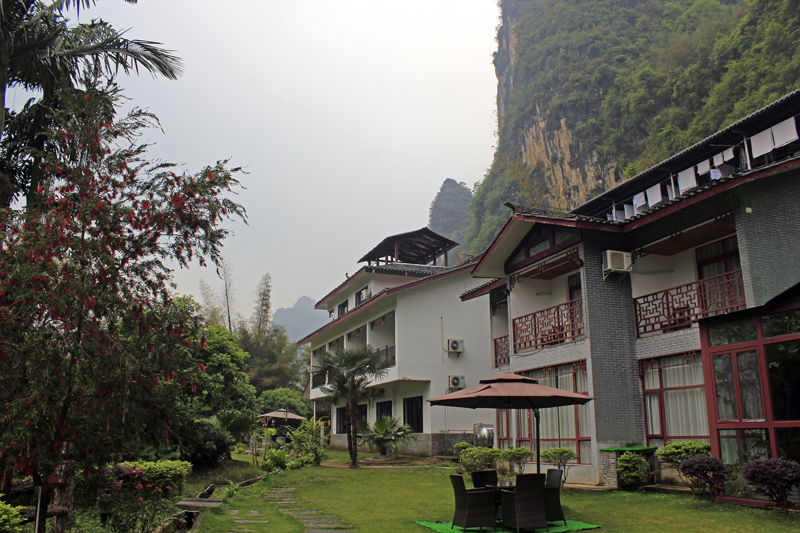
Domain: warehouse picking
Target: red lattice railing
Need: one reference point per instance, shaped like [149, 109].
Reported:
[501, 355]
[555, 325]
[675, 308]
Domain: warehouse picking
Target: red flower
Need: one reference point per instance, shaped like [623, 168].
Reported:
[202, 367]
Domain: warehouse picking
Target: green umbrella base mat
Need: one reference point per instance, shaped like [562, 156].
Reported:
[554, 527]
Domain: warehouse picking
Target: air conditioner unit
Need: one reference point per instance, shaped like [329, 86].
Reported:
[457, 382]
[455, 345]
[614, 261]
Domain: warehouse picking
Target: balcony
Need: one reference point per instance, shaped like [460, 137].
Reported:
[677, 307]
[317, 381]
[388, 353]
[555, 325]
[501, 355]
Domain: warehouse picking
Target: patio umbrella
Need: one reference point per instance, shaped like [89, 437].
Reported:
[283, 413]
[512, 391]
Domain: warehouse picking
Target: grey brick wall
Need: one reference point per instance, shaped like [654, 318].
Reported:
[614, 374]
[682, 340]
[769, 236]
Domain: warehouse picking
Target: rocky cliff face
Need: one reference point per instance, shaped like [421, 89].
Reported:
[568, 173]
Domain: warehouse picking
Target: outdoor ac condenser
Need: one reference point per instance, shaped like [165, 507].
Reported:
[455, 345]
[614, 261]
[457, 383]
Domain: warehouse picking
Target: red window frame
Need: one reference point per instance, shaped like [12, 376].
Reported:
[759, 345]
[504, 429]
[689, 357]
[529, 440]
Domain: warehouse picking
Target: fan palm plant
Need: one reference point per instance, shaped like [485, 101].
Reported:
[386, 435]
[349, 373]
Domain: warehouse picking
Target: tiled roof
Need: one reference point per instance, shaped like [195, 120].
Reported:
[480, 287]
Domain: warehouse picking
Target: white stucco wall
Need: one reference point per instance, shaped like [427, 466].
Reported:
[653, 273]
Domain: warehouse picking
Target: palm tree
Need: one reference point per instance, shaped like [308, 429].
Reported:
[39, 51]
[387, 435]
[349, 373]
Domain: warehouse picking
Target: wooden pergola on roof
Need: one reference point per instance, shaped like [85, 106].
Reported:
[420, 247]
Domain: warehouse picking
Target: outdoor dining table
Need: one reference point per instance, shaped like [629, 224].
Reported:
[510, 485]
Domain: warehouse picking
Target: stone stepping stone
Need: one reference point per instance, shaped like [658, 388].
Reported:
[313, 521]
[305, 512]
[253, 513]
[317, 516]
[327, 525]
[262, 521]
[233, 511]
[327, 531]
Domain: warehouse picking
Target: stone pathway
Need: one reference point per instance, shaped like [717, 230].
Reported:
[314, 521]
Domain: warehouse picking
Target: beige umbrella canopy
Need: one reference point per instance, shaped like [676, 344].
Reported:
[512, 391]
[283, 413]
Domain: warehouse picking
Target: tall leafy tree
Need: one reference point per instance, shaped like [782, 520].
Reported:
[349, 374]
[94, 351]
[40, 50]
[275, 361]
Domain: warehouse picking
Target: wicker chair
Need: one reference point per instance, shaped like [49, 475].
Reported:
[524, 506]
[481, 478]
[552, 496]
[474, 508]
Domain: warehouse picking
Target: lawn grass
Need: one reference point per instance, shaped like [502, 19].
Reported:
[390, 500]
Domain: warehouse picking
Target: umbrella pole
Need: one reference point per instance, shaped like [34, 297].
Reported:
[538, 458]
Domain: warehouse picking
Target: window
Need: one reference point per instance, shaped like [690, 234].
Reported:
[384, 410]
[343, 309]
[574, 282]
[719, 269]
[738, 386]
[718, 258]
[362, 412]
[341, 420]
[783, 366]
[412, 413]
[503, 429]
[674, 399]
[566, 426]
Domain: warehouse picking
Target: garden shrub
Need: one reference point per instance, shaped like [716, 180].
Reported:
[307, 441]
[706, 475]
[10, 521]
[203, 444]
[678, 451]
[275, 459]
[632, 469]
[516, 457]
[461, 446]
[559, 457]
[136, 505]
[162, 474]
[773, 478]
[478, 458]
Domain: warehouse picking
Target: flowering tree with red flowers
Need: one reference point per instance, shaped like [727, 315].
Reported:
[93, 349]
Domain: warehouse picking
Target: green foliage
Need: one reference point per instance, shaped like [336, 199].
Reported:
[478, 458]
[275, 362]
[204, 444]
[632, 469]
[284, 398]
[138, 505]
[274, 459]
[10, 520]
[306, 441]
[461, 446]
[224, 383]
[560, 457]
[386, 435]
[162, 474]
[516, 457]
[678, 451]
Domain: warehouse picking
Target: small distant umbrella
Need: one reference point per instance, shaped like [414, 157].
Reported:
[283, 413]
[512, 391]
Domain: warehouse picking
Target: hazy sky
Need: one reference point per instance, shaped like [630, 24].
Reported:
[348, 116]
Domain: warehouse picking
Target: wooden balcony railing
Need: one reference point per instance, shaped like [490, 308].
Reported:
[389, 353]
[501, 355]
[555, 325]
[675, 308]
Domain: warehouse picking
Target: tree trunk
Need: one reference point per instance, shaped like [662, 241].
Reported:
[352, 430]
[63, 496]
[41, 504]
